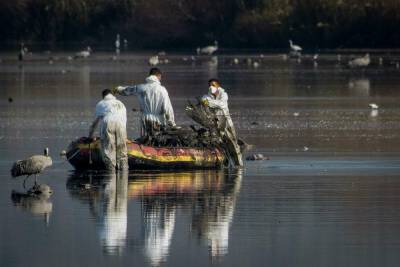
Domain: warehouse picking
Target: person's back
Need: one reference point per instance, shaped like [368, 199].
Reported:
[111, 110]
[111, 114]
[155, 101]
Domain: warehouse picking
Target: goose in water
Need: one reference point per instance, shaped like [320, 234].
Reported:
[373, 106]
[360, 62]
[209, 50]
[31, 166]
[84, 53]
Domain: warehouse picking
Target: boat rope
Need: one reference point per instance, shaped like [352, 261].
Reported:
[71, 157]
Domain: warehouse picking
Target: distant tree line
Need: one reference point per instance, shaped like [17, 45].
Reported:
[189, 23]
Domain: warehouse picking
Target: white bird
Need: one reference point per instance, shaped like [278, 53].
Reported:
[235, 61]
[31, 166]
[84, 53]
[256, 64]
[295, 48]
[117, 42]
[315, 57]
[360, 62]
[153, 61]
[209, 50]
[373, 106]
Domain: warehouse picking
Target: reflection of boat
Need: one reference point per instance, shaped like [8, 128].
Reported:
[208, 196]
[85, 155]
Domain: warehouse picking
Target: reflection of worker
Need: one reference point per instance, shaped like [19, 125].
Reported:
[112, 115]
[113, 213]
[217, 98]
[157, 111]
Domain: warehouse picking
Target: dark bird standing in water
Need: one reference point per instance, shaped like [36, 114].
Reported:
[31, 166]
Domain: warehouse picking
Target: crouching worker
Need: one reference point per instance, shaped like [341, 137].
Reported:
[217, 99]
[111, 114]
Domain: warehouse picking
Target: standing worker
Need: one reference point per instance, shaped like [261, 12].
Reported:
[111, 113]
[217, 98]
[155, 105]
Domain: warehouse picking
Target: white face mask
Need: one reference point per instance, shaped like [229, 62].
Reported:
[213, 90]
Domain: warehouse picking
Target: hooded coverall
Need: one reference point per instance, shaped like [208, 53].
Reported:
[113, 132]
[155, 105]
[220, 101]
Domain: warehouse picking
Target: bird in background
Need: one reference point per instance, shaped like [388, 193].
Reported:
[373, 106]
[295, 48]
[84, 53]
[31, 166]
[117, 44]
[154, 61]
[208, 50]
[360, 62]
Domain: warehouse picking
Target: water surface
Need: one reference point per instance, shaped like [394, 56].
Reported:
[327, 196]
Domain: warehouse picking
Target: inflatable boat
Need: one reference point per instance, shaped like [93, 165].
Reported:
[85, 154]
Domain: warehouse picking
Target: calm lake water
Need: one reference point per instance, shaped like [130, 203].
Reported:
[329, 195]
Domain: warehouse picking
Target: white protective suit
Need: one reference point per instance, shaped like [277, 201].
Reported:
[220, 101]
[113, 132]
[154, 103]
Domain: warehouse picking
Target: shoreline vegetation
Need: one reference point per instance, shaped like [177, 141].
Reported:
[181, 24]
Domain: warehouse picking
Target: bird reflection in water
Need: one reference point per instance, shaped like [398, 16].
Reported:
[107, 196]
[36, 200]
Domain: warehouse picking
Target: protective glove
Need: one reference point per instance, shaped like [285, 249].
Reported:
[204, 102]
[115, 90]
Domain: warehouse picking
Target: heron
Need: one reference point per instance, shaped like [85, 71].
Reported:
[295, 48]
[209, 50]
[31, 166]
[360, 62]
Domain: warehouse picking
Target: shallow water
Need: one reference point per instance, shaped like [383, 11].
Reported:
[327, 196]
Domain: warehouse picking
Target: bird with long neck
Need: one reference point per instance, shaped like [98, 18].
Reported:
[33, 165]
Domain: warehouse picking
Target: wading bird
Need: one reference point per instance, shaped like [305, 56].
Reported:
[295, 48]
[84, 53]
[360, 62]
[31, 166]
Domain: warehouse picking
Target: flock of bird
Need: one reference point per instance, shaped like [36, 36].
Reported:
[295, 52]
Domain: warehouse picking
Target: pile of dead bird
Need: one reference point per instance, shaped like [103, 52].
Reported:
[210, 133]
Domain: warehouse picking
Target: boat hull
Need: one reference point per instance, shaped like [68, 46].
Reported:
[87, 155]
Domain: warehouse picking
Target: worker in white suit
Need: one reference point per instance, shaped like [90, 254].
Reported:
[155, 104]
[217, 99]
[111, 114]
